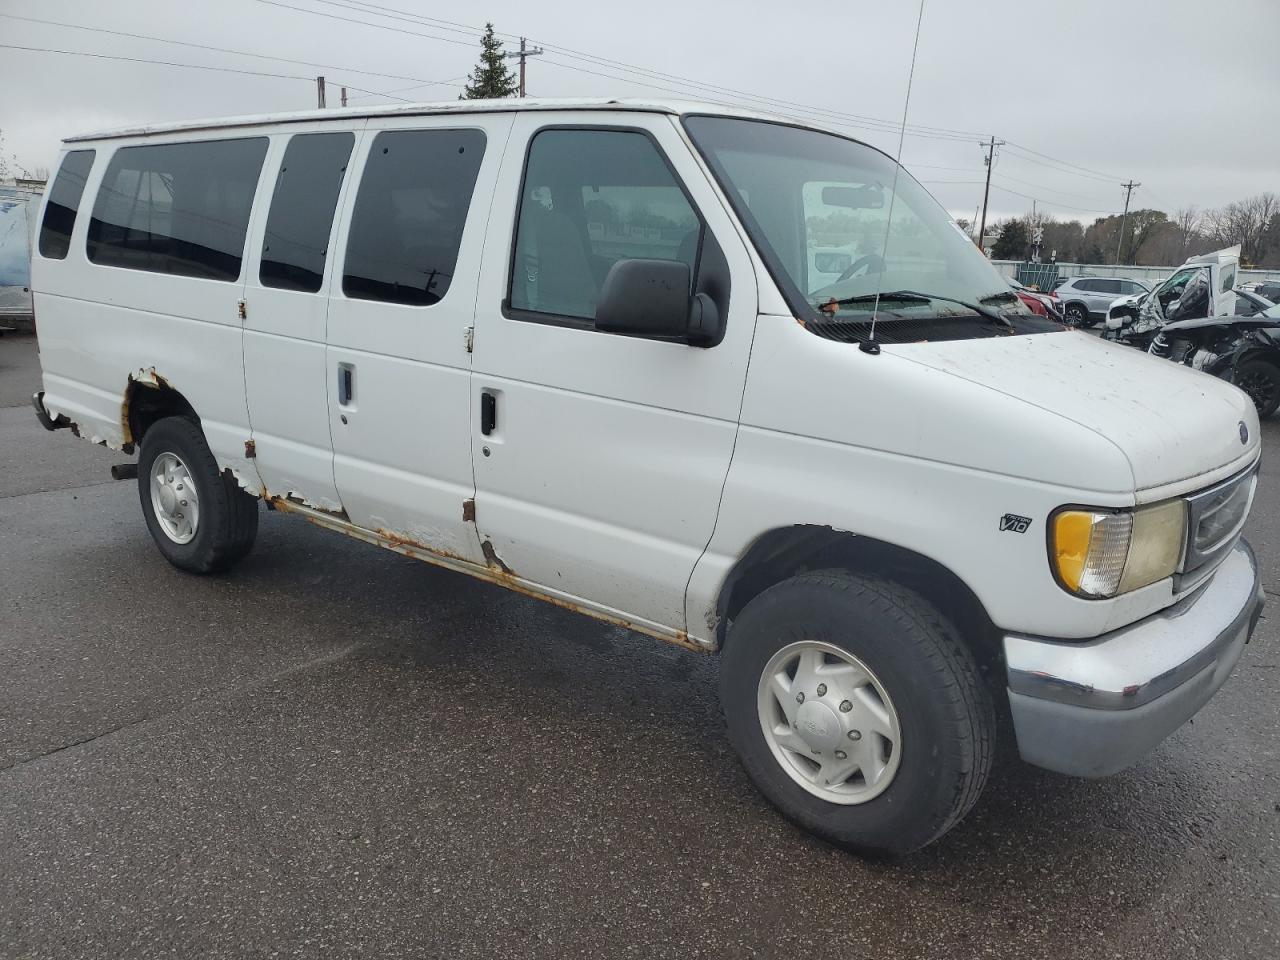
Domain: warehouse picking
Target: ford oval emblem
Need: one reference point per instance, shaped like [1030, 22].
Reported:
[1244, 433]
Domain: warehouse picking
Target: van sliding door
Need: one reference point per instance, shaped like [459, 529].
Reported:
[402, 303]
[290, 269]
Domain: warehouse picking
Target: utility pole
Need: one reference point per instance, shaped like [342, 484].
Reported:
[989, 160]
[320, 92]
[344, 96]
[1128, 192]
[521, 54]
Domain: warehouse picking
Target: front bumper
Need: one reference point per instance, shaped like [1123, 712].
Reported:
[1093, 708]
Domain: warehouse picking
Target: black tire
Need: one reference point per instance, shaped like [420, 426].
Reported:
[1076, 315]
[1260, 379]
[946, 715]
[228, 522]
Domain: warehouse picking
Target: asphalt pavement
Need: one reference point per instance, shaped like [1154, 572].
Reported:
[336, 751]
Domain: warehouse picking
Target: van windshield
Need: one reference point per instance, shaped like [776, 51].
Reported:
[835, 231]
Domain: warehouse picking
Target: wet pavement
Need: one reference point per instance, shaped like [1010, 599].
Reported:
[337, 751]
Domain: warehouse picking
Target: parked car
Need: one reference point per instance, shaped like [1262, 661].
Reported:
[1270, 289]
[1085, 299]
[1204, 286]
[1243, 349]
[1044, 305]
[574, 349]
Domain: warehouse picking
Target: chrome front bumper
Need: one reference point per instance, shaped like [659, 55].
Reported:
[1092, 708]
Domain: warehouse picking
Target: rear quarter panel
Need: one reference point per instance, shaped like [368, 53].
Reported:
[101, 327]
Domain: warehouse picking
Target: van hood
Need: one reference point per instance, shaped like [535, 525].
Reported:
[1170, 422]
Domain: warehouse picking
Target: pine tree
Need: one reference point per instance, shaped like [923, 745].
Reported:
[491, 78]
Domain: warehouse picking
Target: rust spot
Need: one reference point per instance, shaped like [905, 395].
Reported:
[146, 377]
[492, 559]
[250, 449]
[495, 571]
[468, 511]
[406, 545]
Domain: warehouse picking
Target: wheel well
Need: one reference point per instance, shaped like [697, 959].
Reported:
[145, 403]
[783, 553]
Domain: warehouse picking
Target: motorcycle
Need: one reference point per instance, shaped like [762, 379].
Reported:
[1241, 350]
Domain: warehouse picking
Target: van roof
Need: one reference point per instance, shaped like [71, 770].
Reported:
[673, 107]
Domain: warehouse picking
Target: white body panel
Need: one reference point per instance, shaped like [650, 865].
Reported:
[402, 447]
[285, 366]
[889, 447]
[603, 477]
[102, 326]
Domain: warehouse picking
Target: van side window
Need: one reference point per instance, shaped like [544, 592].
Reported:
[179, 208]
[589, 199]
[407, 224]
[64, 203]
[301, 216]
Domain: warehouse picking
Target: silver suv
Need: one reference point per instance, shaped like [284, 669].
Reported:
[1085, 299]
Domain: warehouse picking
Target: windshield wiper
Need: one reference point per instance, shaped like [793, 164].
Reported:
[914, 296]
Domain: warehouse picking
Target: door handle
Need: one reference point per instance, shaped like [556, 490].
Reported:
[346, 384]
[488, 413]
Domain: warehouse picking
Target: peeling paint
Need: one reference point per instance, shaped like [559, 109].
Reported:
[468, 511]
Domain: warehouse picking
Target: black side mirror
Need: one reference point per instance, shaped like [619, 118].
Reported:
[651, 298]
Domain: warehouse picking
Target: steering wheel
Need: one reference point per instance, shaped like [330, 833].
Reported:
[871, 263]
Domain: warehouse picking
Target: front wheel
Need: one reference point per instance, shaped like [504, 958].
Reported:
[1260, 379]
[199, 518]
[857, 711]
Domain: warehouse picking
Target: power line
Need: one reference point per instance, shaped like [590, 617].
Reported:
[456, 27]
[162, 63]
[1065, 163]
[853, 120]
[391, 93]
[1057, 165]
[204, 46]
[171, 63]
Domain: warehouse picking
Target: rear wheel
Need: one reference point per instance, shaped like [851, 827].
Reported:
[1076, 315]
[199, 518]
[857, 711]
[1261, 381]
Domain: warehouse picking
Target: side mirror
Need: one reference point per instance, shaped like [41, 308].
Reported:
[651, 298]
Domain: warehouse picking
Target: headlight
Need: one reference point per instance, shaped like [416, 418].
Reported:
[1099, 554]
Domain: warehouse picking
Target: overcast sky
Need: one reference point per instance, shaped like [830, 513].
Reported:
[1181, 95]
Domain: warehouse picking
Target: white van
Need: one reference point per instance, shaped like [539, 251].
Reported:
[577, 349]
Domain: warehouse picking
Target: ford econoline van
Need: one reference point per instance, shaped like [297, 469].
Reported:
[587, 350]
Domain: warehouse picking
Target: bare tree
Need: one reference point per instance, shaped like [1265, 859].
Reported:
[1244, 222]
[1187, 220]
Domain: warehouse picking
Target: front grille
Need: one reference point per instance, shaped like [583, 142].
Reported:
[1215, 517]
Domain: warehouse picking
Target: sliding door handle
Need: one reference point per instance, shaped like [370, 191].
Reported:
[488, 413]
[346, 384]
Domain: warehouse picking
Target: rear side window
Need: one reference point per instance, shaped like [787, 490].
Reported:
[590, 199]
[407, 224]
[178, 208]
[64, 202]
[297, 236]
